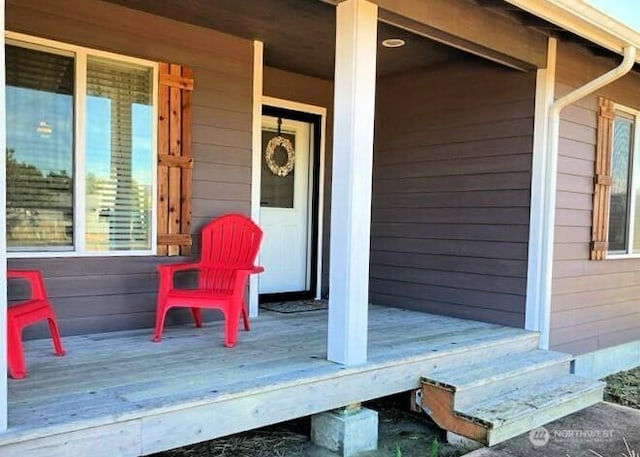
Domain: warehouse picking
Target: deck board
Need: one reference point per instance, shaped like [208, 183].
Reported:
[276, 372]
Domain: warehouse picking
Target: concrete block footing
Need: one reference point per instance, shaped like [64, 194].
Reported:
[463, 442]
[347, 431]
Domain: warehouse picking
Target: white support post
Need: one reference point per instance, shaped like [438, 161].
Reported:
[354, 104]
[258, 53]
[3, 239]
[545, 90]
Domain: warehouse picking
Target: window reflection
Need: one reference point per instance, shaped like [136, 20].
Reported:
[39, 97]
[118, 156]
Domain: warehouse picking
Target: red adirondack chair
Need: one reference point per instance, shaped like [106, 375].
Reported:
[229, 248]
[25, 313]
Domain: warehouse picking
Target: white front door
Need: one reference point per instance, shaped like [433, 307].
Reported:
[284, 206]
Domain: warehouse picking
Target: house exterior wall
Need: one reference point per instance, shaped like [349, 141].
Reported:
[451, 191]
[103, 294]
[312, 91]
[594, 304]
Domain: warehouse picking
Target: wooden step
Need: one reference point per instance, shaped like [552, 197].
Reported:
[495, 377]
[532, 406]
[500, 395]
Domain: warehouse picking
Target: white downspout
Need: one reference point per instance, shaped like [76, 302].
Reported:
[551, 170]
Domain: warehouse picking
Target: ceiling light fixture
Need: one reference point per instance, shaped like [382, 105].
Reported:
[393, 43]
[44, 129]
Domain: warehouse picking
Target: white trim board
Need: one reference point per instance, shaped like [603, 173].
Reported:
[535, 309]
[3, 240]
[256, 145]
[255, 177]
[601, 363]
[294, 106]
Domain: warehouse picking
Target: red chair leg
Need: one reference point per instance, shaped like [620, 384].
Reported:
[161, 313]
[232, 321]
[55, 336]
[197, 316]
[245, 318]
[15, 359]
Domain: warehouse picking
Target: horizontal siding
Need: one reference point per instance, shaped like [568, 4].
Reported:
[595, 304]
[451, 190]
[469, 232]
[464, 199]
[459, 248]
[489, 267]
[489, 147]
[115, 293]
[578, 346]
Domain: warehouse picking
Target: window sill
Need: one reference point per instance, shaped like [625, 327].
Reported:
[68, 254]
[622, 256]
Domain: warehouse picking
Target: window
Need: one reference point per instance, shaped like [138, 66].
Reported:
[616, 206]
[81, 171]
[624, 182]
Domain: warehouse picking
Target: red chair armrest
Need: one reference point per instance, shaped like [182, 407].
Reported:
[167, 271]
[250, 270]
[28, 275]
[247, 271]
[34, 278]
[173, 267]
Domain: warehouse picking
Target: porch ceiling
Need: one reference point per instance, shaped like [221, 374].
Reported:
[299, 35]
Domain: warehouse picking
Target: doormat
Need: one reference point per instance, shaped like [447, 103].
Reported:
[296, 306]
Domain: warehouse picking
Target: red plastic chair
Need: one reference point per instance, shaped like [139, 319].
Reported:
[25, 313]
[229, 248]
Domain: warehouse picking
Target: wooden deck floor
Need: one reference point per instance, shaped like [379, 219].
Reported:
[121, 394]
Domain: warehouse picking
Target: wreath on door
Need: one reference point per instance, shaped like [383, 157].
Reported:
[269, 154]
[280, 170]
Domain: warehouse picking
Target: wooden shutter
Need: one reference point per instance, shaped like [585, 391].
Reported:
[602, 180]
[175, 161]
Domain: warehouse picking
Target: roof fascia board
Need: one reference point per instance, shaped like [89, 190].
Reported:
[584, 20]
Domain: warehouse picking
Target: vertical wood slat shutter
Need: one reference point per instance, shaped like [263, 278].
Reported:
[175, 161]
[602, 180]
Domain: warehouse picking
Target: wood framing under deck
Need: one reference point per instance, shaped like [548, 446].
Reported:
[120, 394]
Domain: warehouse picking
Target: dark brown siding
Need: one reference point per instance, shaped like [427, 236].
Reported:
[318, 92]
[594, 303]
[102, 294]
[451, 192]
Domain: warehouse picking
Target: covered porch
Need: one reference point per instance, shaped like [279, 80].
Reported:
[121, 394]
[444, 231]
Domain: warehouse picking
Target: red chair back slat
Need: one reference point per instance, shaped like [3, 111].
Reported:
[229, 243]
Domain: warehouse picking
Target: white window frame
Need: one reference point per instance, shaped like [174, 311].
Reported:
[635, 175]
[80, 54]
